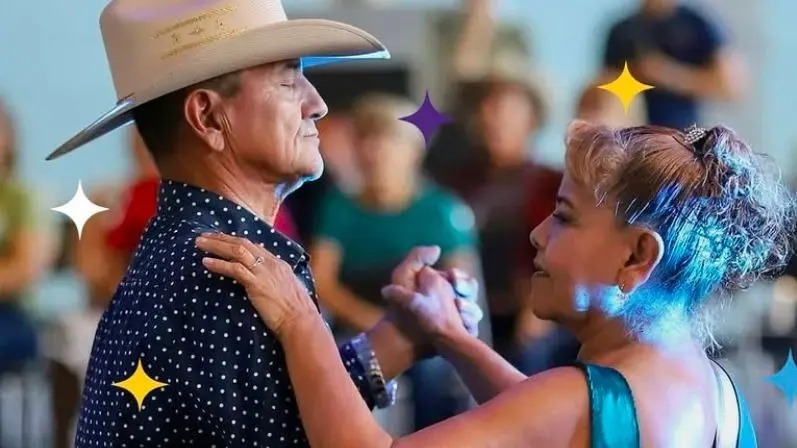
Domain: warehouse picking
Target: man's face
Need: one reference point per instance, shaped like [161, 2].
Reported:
[270, 123]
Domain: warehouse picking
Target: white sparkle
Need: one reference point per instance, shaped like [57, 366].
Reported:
[79, 209]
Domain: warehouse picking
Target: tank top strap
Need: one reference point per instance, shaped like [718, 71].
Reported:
[613, 419]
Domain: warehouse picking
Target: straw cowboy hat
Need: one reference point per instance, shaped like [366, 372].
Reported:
[155, 47]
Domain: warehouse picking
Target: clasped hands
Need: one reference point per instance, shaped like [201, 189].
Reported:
[428, 306]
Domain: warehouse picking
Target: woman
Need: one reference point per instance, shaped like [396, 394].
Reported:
[650, 222]
[23, 256]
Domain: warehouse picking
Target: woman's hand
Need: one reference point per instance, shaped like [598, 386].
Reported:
[434, 305]
[279, 297]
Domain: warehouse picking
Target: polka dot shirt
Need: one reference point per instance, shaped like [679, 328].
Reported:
[197, 332]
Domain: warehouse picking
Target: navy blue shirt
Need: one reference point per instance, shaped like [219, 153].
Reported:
[686, 35]
[196, 331]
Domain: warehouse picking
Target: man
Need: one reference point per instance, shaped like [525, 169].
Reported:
[679, 50]
[218, 94]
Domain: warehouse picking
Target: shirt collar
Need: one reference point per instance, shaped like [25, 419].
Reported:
[208, 209]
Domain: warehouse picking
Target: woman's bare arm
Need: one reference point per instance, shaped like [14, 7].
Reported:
[334, 415]
[484, 372]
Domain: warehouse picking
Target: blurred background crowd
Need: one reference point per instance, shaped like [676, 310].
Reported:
[509, 73]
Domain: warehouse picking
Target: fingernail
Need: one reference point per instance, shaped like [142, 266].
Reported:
[200, 240]
[207, 260]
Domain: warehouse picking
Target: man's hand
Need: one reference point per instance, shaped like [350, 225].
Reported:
[397, 339]
[406, 273]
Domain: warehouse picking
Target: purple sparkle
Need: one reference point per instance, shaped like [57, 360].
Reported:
[427, 119]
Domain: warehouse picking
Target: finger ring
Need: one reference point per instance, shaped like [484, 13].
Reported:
[258, 262]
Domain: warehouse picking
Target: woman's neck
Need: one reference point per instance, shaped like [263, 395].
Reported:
[610, 339]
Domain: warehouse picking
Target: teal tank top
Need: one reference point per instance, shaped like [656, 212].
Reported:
[613, 419]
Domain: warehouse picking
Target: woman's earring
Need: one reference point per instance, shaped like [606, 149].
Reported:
[623, 294]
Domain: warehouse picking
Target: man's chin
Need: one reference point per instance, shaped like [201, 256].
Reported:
[303, 177]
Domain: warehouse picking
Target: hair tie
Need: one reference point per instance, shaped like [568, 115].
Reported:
[696, 136]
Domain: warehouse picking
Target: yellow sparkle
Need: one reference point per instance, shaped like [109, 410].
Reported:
[626, 87]
[139, 384]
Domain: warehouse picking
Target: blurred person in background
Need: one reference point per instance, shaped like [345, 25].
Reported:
[679, 49]
[501, 183]
[480, 43]
[24, 254]
[359, 239]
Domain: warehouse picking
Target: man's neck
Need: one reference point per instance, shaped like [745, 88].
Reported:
[262, 199]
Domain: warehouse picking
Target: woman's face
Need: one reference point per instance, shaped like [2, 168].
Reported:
[581, 251]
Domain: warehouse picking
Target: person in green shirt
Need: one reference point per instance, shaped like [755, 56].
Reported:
[360, 238]
[21, 260]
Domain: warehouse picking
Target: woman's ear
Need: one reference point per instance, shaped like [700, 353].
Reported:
[647, 250]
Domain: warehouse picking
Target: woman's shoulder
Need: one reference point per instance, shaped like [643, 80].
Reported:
[563, 388]
[556, 398]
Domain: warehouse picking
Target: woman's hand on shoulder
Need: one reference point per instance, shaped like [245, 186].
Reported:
[272, 286]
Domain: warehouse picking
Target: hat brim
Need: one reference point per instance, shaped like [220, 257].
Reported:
[314, 41]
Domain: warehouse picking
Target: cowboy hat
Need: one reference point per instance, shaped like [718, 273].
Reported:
[156, 47]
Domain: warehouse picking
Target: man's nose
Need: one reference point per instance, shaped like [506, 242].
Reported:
[314, 106]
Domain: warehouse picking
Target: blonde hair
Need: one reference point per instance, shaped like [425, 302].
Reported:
[724, 215]
[380, 113]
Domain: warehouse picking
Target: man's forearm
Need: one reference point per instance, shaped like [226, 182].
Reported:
[394, 351]
[484, 372]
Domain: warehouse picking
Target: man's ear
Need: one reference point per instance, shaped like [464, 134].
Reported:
[204, 113]
[647, 250]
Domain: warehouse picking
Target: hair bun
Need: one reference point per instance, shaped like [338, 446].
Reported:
[758, 210]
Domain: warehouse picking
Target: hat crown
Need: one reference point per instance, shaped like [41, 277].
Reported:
[144, 38]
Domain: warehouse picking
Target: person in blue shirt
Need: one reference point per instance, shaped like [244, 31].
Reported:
[682, 52]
